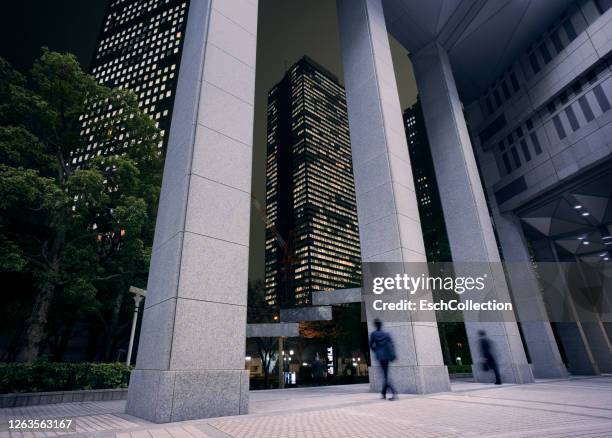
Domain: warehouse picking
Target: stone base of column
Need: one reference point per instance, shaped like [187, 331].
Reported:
[608, 328]
[411, 379]
[550, 371]
[546, 361]
[510, 373]
[168, 396]
[577, 351]
[600, 346]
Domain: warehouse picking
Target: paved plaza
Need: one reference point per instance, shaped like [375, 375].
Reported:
[578, 407]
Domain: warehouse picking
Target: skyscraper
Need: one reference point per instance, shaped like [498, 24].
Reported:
[426, 188]
[312, 238]
[139, 48]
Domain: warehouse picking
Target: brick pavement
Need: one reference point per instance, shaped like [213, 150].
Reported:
[578, 407]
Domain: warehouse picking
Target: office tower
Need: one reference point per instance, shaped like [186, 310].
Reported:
[139, 48]
[426, 188]
[312, 239]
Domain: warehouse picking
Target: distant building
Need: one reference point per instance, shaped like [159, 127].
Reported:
[139, 48]
[312, 237]
[426, 188]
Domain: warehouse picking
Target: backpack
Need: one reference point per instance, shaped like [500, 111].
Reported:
[390, 350]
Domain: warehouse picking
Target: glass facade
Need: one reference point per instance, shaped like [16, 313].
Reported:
[139, 49]
[312, 237]
[426, 187]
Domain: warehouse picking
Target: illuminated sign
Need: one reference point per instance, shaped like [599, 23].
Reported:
[330, 360]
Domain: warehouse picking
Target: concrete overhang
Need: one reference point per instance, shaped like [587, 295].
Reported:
[483, 37]
[273, 330]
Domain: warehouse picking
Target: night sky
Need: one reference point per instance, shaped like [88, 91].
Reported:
[61, 25]
[288, 30]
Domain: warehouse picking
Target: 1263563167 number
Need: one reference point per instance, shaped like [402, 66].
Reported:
[40, 424]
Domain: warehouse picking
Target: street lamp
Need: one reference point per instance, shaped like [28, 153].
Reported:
[139, 294]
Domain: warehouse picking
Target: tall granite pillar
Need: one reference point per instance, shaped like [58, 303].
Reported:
[191, 355]
[572, 336]
[545, 358]
[590, 318]
[468, 223]
[597, 336]
[389, 226]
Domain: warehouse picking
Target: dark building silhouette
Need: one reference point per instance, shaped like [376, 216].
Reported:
[139, 48]
[312, 237]
[453, 337]
[426, 188]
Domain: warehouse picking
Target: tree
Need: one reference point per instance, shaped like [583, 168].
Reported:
[81, 230]
[259, 311]
[345, 328]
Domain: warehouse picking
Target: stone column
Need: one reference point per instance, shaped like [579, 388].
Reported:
[577, 336]
[598, 340]
[526, 295]
[590, 318]
[191, 356]
[577, 349]
[468, 223]
[569, 328]
[389, 225]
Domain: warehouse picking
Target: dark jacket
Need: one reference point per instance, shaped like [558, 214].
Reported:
[486, 349]
[318, 369]
[382, 345]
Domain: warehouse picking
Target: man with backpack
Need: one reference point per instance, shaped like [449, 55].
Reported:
[381, 344]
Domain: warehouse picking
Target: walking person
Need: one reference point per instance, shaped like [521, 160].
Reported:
[486, 349]
[381, 344]
[318, 370]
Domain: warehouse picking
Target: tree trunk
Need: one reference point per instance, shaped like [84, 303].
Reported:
[65, 339]
[444, 341]
[112, 327]
[13, 349]
[93, 353]
[35, 331]
[36, 325]
[266, 374]
[265, 363]
[265, 348]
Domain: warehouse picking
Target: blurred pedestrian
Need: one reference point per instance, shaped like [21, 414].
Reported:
[318, 370]
[486, 350]
[381, 344]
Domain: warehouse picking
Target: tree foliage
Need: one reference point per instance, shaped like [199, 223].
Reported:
[258, 311]
[80, 232]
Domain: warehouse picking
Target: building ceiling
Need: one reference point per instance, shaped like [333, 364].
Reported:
[578, 220]
[483, 37]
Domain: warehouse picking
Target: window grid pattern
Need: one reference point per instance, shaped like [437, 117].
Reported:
[425, 185]
[139, 49]
[585, 100]
[541, 52]
[310, 194]
[578, 104]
